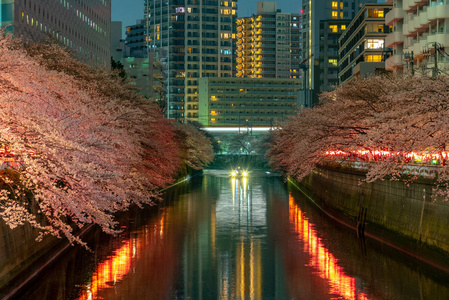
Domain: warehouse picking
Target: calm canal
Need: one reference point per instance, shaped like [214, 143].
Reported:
[219, 238]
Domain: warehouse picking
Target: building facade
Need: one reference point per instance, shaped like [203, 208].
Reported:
[198, 39]
[247, 102]
[420, 35]
[313, 12]
[135, 40]
[81, 25]
[330, 31]
[268, 43]
[362, 44]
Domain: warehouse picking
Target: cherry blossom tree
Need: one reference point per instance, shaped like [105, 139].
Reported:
[84, 143]
[397, 115]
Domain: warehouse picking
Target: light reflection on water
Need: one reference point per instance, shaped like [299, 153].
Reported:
[223, 238]
[324, 263]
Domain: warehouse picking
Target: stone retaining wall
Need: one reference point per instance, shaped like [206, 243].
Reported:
[408, 210]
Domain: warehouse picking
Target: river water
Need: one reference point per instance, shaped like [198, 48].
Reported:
[214, 237]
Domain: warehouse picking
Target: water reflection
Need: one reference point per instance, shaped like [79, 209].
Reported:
[321, 260]
[223, 238]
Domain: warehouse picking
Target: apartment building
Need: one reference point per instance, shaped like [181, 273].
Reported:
[420, 35]
[247, 102]
[82, 25]
[313, 12]
[198, 39]
[268, 43]
[330, 31]
[362, 44]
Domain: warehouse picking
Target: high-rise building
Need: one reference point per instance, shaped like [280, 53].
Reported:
[135, 41]
[362, 44]
[420, 35]
[268, 44]
[81, 25]
[330, 31]
[313, 12]
[197, 38]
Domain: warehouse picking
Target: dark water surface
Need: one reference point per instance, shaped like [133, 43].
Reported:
[220, 238]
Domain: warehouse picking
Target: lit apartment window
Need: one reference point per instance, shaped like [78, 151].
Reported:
[334, 28]
[373, 58]
[335, 5]
[343, 27]
[374, 44]
[341, 15]
[333, 61]
[335, 15]
[341, 5]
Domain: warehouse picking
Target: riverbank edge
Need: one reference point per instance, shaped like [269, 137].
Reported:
[47, 252]
[341, 195]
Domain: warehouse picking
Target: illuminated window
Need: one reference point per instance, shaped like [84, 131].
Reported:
[212, 119]
[373, 58]
[341, 15]
[226, 11]
[333, 61]
[374, 44]
[189, 50]
[335, 15]
[341, 5]
[334, 5]
[375, 13]
[213, 98]
[213, 112]
[189, 9]
[343, 27]
[334, 28]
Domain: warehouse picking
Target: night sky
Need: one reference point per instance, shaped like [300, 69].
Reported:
[128, 11]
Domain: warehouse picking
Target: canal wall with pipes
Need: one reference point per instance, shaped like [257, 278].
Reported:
[407, 210]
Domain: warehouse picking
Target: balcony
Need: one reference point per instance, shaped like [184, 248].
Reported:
[393, 62]
[394, 38]
[437, 12]
[394, 15]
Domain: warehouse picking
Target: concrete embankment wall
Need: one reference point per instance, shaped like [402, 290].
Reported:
[19, 250]
[408, 210]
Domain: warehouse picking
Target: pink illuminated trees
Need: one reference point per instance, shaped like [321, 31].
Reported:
[84, 144]
[399, 115]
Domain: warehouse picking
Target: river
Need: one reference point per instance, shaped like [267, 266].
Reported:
[214, 237]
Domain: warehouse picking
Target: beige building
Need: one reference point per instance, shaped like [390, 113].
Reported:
[81, 25]
[420, 35]
[268, 44]
[197, 38]
[247, 102]
[362, 44]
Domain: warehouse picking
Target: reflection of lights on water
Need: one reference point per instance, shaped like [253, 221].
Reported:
[118, 265]
[112, 270]
[320, 258]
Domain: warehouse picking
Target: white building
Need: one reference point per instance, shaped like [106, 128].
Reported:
[420, 34]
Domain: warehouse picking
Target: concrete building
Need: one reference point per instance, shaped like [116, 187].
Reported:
[117, 42]
[362, 44]
[81, 25]
[135, 40]
[420, 35]
[198, 40]
[146, 73]
[330, 31]
[247, 102]
[313, 13]
[268, 43]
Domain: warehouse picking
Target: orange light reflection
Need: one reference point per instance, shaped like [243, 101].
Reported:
[321, 259]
